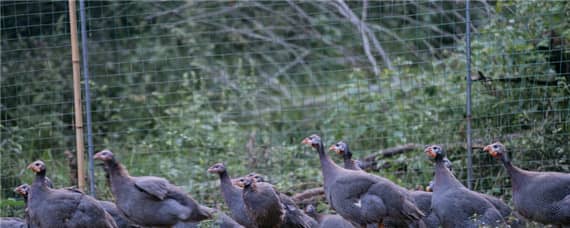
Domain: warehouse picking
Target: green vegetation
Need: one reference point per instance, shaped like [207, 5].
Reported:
[178, 86]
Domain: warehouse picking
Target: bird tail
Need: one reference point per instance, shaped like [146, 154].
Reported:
[110, 221]
[205, 212]
[411, 212]
[294, 217]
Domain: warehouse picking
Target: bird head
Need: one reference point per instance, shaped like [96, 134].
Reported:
[22, 190]
[313, 141]
[496, 150]
[256, 177]
[248, 183]
[37, 166]
[217, 168]
[104, 155]
[239, 182]
[434, 151]
[340, 147]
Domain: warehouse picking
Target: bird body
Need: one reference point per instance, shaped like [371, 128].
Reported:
[548, 191]
[232, 196]
[149, 200]
[540, 196]
[360, 197]
[421, 199]
[455, 205]
[49, 207]
[294, 217]
[11, 222]
[263, 204]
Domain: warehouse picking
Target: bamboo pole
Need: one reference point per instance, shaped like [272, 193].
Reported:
[79, 144]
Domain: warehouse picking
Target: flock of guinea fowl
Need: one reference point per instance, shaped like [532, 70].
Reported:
[359, 199]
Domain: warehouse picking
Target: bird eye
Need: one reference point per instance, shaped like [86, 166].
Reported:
[495, 146]
[37, 164]
[434, 148]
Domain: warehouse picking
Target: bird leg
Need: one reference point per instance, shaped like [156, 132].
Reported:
[381, 224]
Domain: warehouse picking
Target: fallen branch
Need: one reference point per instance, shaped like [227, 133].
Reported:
[370, 162]
[308, 194]
[388, 152]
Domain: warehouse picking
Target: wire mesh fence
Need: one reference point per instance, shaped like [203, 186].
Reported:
[179, 86]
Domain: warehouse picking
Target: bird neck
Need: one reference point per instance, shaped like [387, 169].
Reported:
[228, 189]
[444, 179]
[25, 200]
[115, 169]
[514, 172]
[40, 179]
[347, 156]
[38, 186]
[225, 178]
[328, 167]
[349, 164]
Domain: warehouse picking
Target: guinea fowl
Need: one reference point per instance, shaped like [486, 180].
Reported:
[540, 196]
[294, 217]
[421, 199]
[326, 221]
[502, 207]
[263, 204]
[455, 205]
[360, 197]
[49, 207]
[149, 200]
[23, 191]
[232, 196]
[109, 207]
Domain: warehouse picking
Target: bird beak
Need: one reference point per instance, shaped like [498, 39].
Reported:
[430, 152]
[33, 168]
[98, 156]
[490, 150]
[307, 141]
[334, 148]
[237, 183]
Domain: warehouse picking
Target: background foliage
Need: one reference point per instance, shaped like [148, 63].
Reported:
[178, 86]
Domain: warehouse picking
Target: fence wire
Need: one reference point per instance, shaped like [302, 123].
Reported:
[179, 86]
